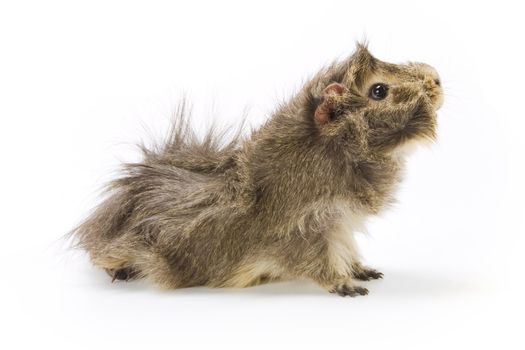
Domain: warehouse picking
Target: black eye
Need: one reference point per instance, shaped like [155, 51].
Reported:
[378, 91]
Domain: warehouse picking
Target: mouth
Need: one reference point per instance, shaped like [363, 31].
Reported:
[437, 100]
[434, 92]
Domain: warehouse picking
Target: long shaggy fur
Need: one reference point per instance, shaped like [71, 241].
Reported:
[282, 203]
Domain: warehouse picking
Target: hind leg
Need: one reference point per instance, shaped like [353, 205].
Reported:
[117, 258]
[122, 274]
[117, 269]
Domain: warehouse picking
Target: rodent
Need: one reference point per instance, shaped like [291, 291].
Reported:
[281, 203]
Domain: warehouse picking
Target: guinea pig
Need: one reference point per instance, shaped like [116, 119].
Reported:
[281, 203]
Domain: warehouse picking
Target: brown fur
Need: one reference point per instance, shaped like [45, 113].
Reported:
[283, 203]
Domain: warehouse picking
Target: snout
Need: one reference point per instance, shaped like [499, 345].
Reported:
[431, 82]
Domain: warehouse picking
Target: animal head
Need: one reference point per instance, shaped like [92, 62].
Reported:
[341, 134]
[375, 105]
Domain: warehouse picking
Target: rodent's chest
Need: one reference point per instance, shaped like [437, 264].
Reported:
[336, 215]
[374, 185]
[347, 217]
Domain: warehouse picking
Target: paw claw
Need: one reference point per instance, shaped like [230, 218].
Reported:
[346, 289]
[368, 274]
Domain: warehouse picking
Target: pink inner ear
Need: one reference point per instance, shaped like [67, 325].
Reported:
[334, 89]
[322, 112]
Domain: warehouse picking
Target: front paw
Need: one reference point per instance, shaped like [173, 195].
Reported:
[345, 289]
[367, 274]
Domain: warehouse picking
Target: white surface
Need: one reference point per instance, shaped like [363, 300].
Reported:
[79, 81]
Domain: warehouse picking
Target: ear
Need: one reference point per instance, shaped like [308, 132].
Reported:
[323, 112]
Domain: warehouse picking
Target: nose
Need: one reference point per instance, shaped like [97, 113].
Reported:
[427, 72]
[432, 83]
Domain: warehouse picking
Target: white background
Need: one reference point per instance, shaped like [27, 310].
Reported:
[82, 82]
